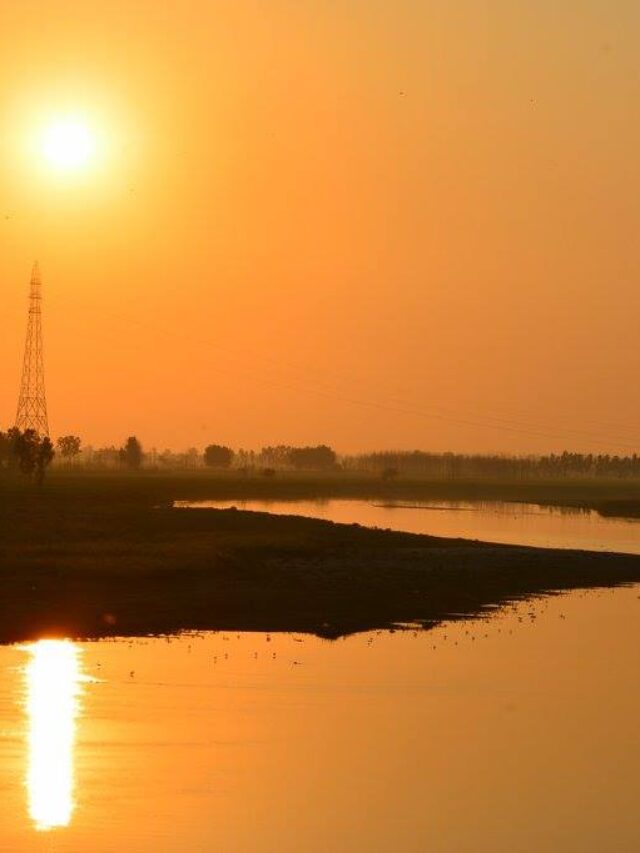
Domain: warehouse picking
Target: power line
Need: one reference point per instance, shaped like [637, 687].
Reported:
[393, 405]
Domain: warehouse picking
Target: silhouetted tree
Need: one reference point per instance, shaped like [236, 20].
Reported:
[26, 448]
[44, 457]
[192, 458]
[25, 452]
[131, 454]
[275, 457]
[16, 449]
[320, 458]
[69, 446]
[5, 450]
[218, 456]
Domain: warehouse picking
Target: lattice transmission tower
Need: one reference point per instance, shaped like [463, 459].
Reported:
[32, 402]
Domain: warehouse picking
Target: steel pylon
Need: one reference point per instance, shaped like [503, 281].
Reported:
[32, 402]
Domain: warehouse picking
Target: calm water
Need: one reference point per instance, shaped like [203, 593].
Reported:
[513, 523]
[514, 733]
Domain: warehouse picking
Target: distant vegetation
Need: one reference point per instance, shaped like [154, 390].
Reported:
[451, 466]
[131, 455]
[387, 465]
[69, 446]
[320, 458]
[25, 453]
[217, 456]
[28, 454]
[266, 462]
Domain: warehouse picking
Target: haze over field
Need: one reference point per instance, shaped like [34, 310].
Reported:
[363, 223]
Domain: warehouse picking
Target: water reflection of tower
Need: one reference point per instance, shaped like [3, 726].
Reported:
[32, 402]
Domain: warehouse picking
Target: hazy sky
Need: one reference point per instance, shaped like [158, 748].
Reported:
[368, 223]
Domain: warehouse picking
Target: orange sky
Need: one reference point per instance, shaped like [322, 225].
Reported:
[373, 224]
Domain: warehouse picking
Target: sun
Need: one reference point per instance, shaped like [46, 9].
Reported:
[67, 144]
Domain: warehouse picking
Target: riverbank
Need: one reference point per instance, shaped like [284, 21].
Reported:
[610, 497]
[94, 556]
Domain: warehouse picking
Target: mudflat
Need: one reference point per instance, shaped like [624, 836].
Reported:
[92, 556]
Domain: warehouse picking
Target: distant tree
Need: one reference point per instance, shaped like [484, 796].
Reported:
[5, 450]
[320, 458]
[16, 449]
[69, 446]
[25, 452]
[107, 457]
[26, 448]
[44, 457]
[192, 458]
[131, 454]
[275, 457]
[245, 461]
[218, 456]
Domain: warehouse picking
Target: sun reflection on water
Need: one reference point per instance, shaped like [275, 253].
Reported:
[53, 677]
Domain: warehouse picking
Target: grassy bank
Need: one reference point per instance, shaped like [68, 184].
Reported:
[98, 555]
[608, 496]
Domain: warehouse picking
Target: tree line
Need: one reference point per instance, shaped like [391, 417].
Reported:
[427, 465]
[28, 453]
[217, 456]
[31, 455]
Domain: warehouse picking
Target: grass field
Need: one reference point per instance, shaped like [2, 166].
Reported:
[94, 555]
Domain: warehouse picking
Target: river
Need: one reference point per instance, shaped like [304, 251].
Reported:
[514, 732]
[490, 521]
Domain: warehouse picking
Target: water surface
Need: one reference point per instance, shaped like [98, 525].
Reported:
[493, 521]
[515, 733]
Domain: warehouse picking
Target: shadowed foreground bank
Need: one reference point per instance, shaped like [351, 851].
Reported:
[98, 559]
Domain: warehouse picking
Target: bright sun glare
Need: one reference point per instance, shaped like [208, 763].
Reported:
[53, 686]
[68, 144]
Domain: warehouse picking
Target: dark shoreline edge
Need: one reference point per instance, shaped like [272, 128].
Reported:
[90, 561]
